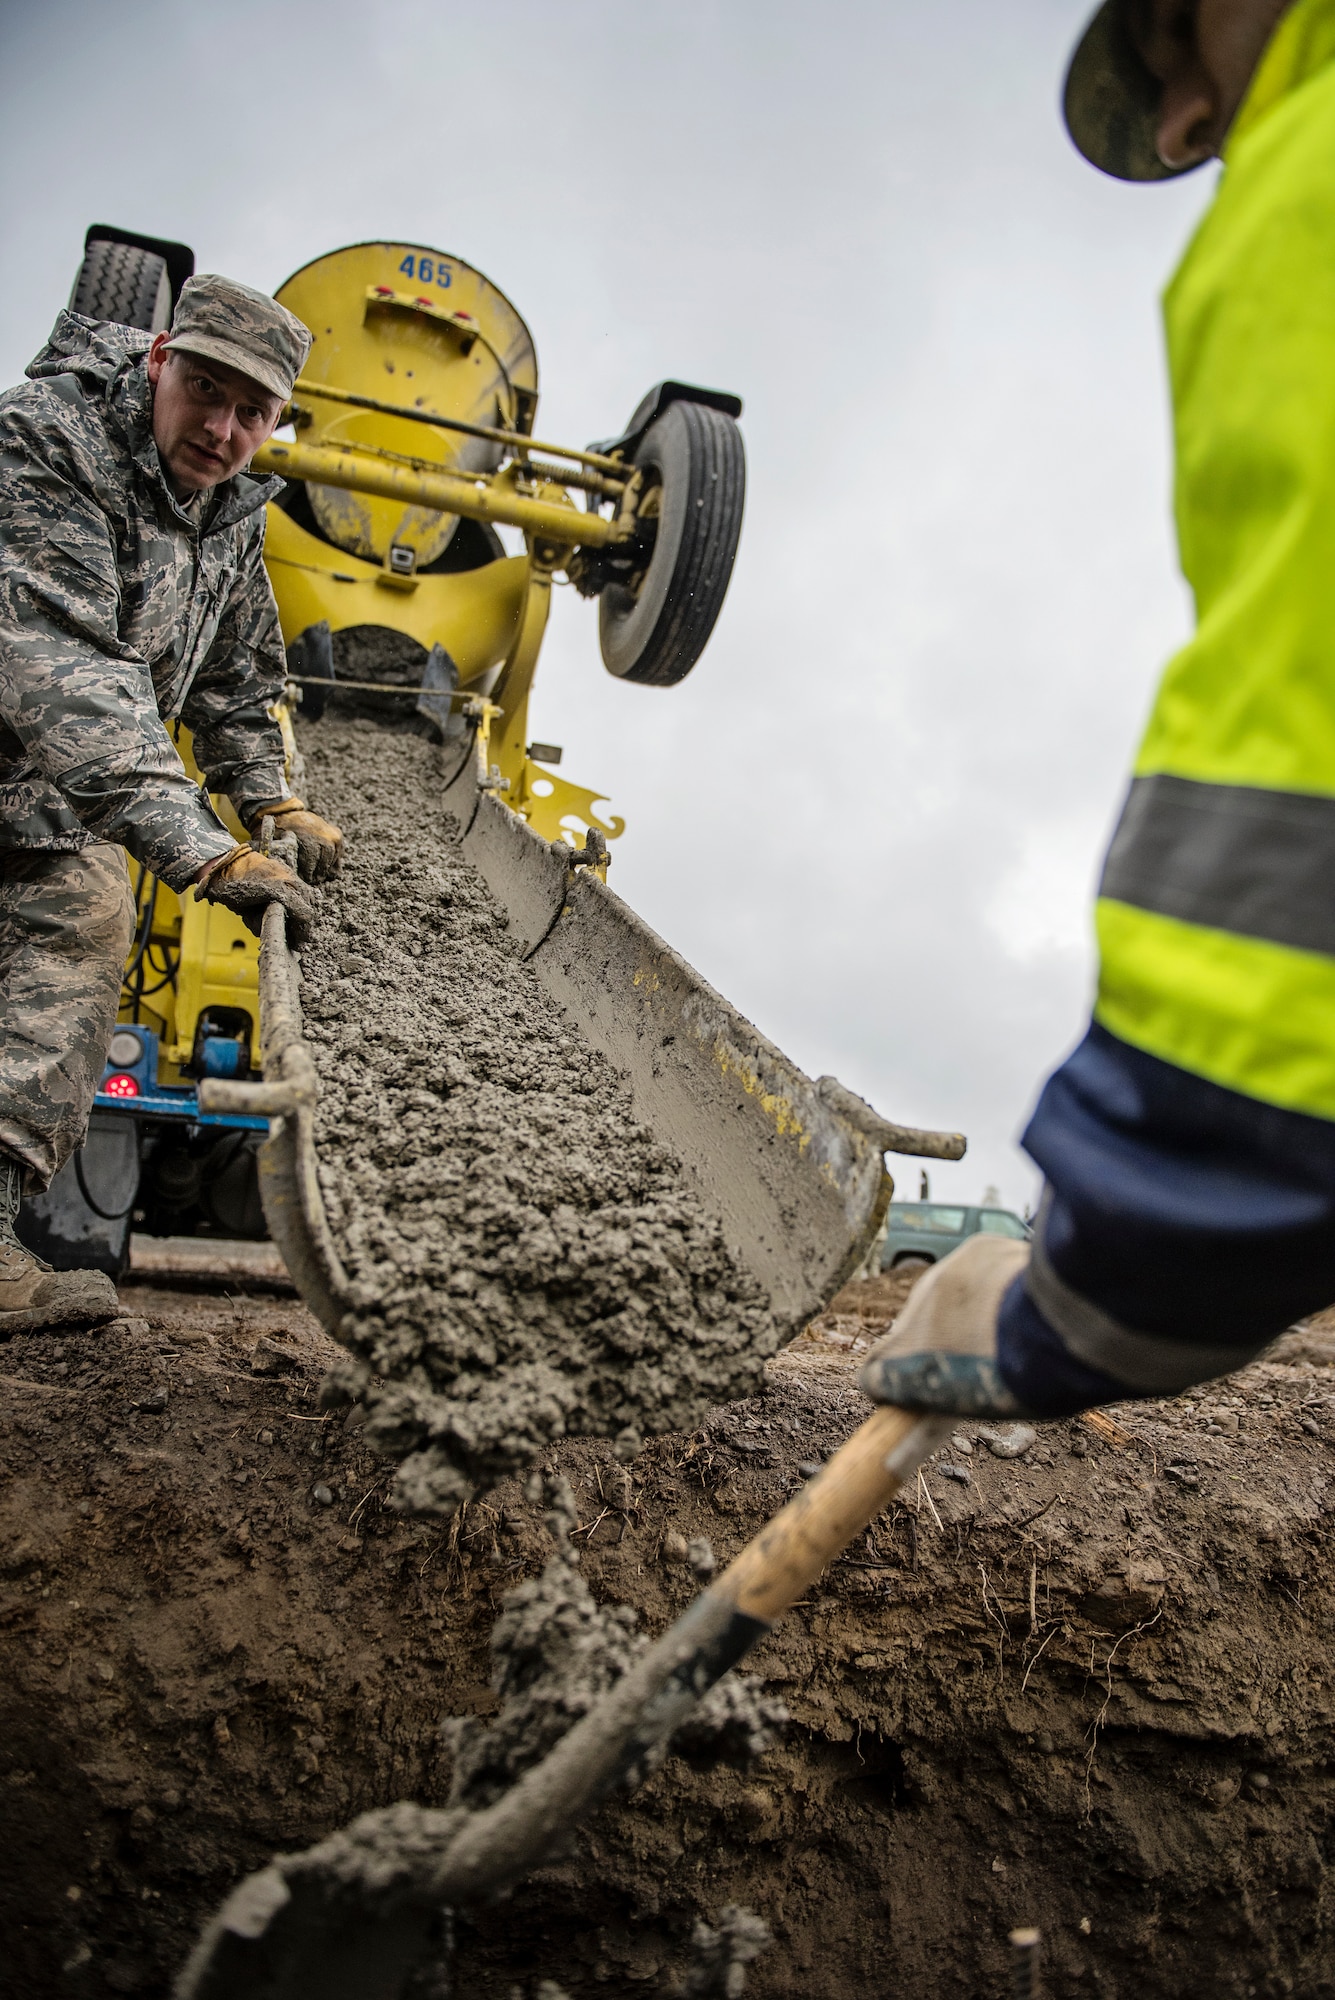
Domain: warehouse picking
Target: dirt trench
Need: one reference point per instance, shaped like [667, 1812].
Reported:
[1087, 1687]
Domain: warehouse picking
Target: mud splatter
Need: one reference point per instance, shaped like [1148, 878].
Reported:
[528, 1261]
[555, 1650]
[721, 1952]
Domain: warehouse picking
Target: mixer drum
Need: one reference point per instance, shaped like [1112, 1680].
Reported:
[414, 327]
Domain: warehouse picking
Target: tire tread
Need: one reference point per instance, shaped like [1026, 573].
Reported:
[708, 549]
[121, 283]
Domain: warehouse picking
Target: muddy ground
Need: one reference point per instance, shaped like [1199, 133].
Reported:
[1088, 1687]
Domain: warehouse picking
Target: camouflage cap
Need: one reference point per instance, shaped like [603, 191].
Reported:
[241, 328]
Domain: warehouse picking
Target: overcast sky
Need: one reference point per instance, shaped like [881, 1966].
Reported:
[874, 814]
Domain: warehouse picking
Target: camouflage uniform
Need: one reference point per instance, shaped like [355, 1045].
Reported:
[66, 921]
[119, 607]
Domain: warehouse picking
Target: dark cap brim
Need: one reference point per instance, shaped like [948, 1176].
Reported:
[1111, 102]
[258, 368]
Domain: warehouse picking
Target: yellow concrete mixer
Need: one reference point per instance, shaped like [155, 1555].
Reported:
[413, 443]
[410, 445]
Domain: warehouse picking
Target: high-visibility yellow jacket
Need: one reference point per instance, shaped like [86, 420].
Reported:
[1216, 917]
[1188, 1144]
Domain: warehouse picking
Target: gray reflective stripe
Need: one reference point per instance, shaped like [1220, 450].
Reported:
[1233, 857]
[1146, 1363]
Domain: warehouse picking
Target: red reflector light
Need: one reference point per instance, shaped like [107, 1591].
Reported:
[120, 1086]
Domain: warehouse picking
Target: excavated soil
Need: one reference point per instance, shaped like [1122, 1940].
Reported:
[527, 1260]
[1087, 1687]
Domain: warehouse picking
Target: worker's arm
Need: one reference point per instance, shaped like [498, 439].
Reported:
[79, 702]
[1182, 1227]
[237, 743]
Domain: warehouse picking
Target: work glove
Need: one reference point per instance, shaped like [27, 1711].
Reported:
[319, 842]
[247, 881]
[941, 1353]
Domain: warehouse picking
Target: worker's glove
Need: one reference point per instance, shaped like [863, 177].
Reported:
[941, 1353]
[319, 842]
[247, 881]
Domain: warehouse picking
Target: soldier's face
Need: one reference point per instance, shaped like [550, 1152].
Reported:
[208, 421]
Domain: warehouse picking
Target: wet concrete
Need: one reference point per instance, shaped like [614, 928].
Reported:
[528, 1261]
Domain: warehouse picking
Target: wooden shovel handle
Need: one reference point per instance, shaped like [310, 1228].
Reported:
[782, 1562]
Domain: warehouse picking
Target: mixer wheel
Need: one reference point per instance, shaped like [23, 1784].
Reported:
[653, 626]
[120, 282]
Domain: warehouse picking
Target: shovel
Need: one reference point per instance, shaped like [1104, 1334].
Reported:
[295, 1930]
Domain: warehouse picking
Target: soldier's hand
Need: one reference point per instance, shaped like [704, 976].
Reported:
[319, 841]
[247, 881]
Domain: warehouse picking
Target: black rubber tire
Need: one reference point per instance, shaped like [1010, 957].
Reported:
[119, 282]
[908, 1260]
[655, 635]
